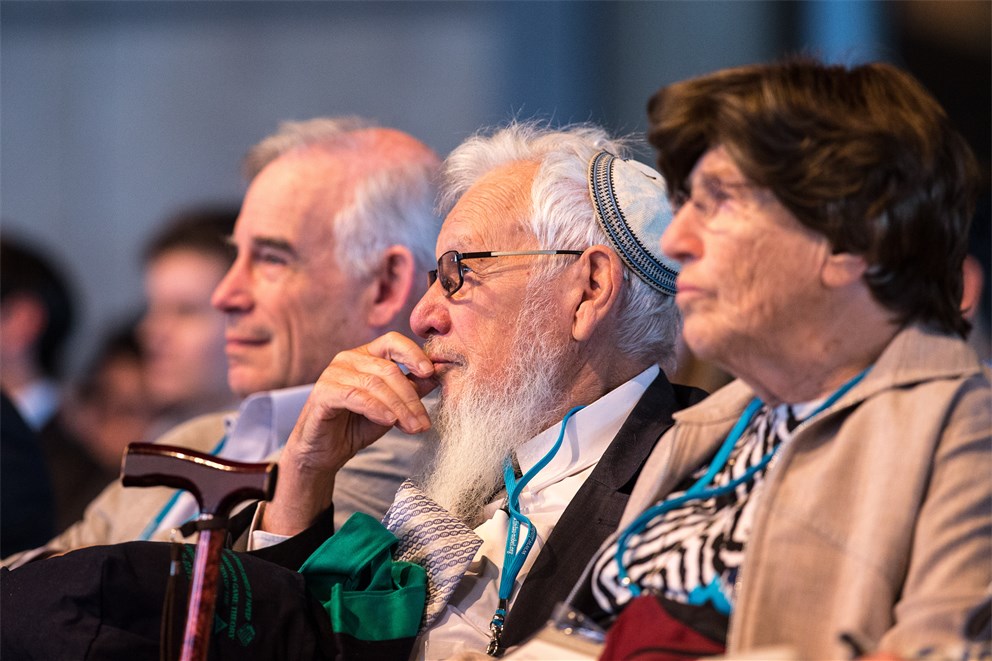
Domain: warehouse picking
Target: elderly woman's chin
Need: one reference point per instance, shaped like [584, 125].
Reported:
[709, 337]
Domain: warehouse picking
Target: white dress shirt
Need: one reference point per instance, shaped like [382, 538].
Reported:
[464, 624]
[37, 402]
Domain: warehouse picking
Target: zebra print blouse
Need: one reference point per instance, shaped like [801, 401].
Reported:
[692, 554]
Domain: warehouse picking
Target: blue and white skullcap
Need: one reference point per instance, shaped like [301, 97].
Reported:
[631, 202]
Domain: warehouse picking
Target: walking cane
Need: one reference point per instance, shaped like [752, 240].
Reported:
[218, 485]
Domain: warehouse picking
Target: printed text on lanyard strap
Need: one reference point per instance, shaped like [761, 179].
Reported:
[513, 558]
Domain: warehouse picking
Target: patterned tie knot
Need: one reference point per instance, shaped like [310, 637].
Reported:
[433, 538]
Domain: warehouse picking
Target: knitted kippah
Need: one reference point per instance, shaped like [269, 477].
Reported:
[631, 202]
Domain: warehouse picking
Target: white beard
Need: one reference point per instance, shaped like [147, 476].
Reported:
[482, 427]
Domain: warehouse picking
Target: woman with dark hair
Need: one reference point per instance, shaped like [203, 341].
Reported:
[836, 497]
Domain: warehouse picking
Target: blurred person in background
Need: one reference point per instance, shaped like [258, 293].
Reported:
[37, 313]
[181, 334]
[181, 373]
[110, 407]
[107, 409]
[337, 219]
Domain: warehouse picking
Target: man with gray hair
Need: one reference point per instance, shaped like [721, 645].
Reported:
[337, 220]
[549, 296]
[548, 311]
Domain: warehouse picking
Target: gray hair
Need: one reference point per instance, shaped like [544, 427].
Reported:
[393, 205]
[562, 217]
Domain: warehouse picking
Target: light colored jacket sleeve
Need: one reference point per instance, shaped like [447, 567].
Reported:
[119, 514]
[951, 564]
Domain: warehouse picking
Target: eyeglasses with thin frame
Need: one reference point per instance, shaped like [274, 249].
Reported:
[709, 194]
[451, 272]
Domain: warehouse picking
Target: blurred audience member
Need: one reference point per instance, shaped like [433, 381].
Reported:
[26, 505]
[182, 335]
[110, 407]
[36, 318]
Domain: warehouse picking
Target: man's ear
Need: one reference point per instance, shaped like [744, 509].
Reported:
[842, 269]
[391, 286]
[601, 279]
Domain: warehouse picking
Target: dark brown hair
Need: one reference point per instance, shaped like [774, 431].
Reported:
[205, 229]
[27, 271]
[865, 156]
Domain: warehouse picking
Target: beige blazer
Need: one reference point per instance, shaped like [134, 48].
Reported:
[876, 520]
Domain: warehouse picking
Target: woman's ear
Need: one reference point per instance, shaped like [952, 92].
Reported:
[601, 280]
[842, 269]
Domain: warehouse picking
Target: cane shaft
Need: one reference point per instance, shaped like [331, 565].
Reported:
[203, 595]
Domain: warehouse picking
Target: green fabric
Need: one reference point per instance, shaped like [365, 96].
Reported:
[364, 591]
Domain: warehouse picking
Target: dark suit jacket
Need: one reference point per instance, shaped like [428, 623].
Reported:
[27, 511]
[595, 511]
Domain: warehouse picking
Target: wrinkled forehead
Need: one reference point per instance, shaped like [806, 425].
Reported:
[492, 213]
[716, 163]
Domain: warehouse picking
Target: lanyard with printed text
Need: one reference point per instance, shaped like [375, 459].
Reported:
[513, 557]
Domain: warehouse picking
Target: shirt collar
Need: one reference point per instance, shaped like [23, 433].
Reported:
[37, 402]
[263, 423]
[589, 433]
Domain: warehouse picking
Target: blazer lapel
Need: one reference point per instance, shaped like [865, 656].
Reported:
[594, 512]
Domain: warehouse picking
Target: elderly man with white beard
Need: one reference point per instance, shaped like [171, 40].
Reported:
[549, 296]
[545, 322]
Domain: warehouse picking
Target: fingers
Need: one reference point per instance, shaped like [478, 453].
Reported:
[359, 396]
[368, 381]
[400, 349]
[380, 393]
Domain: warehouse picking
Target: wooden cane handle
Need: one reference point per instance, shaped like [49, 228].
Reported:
[217, 484]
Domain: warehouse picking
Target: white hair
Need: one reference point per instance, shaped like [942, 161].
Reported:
[562, 217]
[394, 205]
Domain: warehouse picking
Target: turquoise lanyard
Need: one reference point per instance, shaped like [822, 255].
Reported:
[153, 525]
[701, 489]
[513, 558]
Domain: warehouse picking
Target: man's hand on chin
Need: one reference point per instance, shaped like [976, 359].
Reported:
[361, 395]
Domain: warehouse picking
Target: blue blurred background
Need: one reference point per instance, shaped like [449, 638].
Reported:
[114, 115]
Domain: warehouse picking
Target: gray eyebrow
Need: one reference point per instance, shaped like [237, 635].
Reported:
[277, 244]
